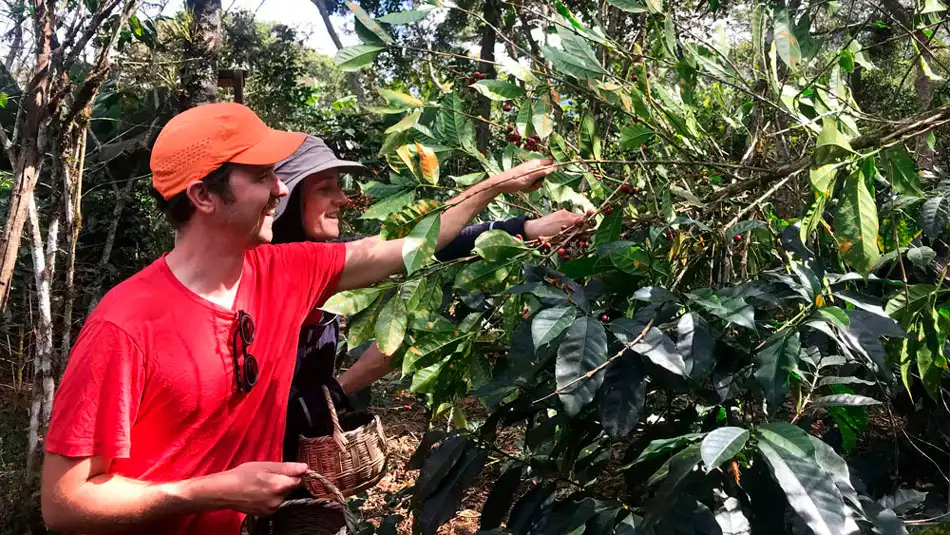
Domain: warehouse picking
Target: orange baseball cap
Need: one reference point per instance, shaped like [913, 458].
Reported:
[199, 140]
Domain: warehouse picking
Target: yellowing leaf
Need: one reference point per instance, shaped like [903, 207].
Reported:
[405, 123]
[428, 164]
[405, 154]
[400, 100]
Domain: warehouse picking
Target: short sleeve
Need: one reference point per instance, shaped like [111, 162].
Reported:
[311, 266]
[98, 398]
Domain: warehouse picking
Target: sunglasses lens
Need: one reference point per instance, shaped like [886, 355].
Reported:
[250, 370]
[247, 328]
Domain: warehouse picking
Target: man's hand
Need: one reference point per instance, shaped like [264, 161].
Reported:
[551, 224]
[259, 488]
[525, 177]
[80, 495]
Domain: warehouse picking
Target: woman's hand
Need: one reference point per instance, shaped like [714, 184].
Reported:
[551, 224]
[525, 177]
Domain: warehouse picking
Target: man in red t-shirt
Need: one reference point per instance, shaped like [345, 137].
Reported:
[170, 415]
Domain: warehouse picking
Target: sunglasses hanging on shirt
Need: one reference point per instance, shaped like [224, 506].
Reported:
[246, 369]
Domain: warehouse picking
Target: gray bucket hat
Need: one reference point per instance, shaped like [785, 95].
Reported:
[312, 157]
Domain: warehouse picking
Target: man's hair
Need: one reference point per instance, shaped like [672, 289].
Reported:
[178, 209]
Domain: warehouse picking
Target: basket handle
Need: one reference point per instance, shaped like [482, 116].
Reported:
[338, 437]
[327, 484]
[384, 441]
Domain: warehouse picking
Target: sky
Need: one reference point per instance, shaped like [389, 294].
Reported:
[299, 14]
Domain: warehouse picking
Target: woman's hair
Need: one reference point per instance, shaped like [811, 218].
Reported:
[288, 228]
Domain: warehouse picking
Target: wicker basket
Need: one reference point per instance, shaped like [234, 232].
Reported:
[353, 459]
[306, 516]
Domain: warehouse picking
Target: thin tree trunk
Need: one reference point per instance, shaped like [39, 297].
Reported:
[922, 84]
[325, 15]
[73, 216]
[32, 145]
[16, 46]
[199, 72]
[43, 384]
[486, 66]
[352, 78]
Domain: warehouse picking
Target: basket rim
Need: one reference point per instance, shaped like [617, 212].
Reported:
[375, 424]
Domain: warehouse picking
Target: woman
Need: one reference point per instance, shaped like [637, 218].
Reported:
[311, 212]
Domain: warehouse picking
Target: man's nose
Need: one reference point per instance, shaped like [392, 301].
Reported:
[281, 187]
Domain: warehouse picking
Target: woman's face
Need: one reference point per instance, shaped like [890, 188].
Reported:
[321, 199]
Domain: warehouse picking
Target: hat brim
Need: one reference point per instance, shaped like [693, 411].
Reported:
[275, 146]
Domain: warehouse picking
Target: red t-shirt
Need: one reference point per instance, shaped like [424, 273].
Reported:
[150, 382]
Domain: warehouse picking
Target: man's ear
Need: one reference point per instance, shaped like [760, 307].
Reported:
[201, 198]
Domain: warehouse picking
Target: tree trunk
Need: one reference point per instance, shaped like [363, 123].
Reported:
[16, 45]
[73, 216]
[199, 71]
[352, 78]
[325, 15]
[32, 146]
[486, 66]
[43, 384]
[922, 84]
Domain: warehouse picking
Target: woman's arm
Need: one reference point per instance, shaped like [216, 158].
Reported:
[371, 366]
[529, 229]
[372, 259]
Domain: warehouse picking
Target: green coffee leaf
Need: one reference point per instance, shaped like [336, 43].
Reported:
[405, 17]
[391, 326]
[583, 348]
[722, 444]
[349, 302]
[856, 224]
[420, 245]
[498, 90]
[774, 361]
[375, 30]
[354, 58]
[498, 246]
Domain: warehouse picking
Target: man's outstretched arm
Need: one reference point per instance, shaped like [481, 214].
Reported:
[372, 259]
[79, 495]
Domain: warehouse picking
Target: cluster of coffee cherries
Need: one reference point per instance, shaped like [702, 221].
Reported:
[627, 188]
[359, 202]
[476, 76]
[576, 247]
[531, 143]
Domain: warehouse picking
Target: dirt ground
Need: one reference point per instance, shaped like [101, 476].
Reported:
[405, 420]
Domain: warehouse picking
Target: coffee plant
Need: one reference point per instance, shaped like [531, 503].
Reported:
[759, 273]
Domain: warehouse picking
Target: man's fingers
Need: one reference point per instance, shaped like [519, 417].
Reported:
[289, 469]
[285, 484]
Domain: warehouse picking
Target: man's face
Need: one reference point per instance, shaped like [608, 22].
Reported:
[250, 215]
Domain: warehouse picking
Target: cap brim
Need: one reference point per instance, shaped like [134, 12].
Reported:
[272, 148]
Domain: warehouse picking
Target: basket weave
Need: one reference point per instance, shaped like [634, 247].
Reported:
[307, 516]
[353, 460]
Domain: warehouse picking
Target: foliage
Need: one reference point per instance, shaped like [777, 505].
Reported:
[759, 281]
[704, 313]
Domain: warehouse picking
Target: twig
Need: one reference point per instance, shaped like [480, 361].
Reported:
[771, 191]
